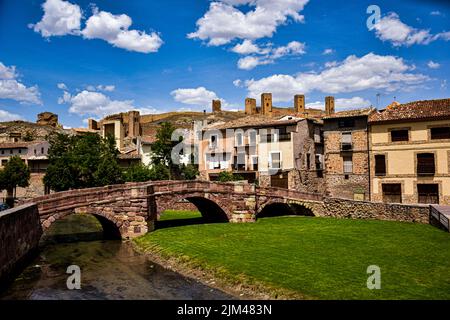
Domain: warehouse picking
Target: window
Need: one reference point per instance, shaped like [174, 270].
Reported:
[400, 135]
[428, 193]
[252, 138]
[4, 162]
[275, 160]
[239, 161]
[239, 139]
[11, 151]
[283, 135]
[42, 150]
[346, 141]
[348, 164]
[213, 142]
[440, 133]
[380, 165]
[308, 161]
[3, 151]
[346, 123]
[392, 192]
[425, 164]
[35, 151]
[255, 163]
[20, 150]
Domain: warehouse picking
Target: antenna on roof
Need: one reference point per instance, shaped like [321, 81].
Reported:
[378, 100]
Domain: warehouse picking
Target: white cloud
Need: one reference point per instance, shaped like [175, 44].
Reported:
[391, 28]
[433, 65]
[60, 18]
[100, 87]
[251, 62]
[292, 48]
[237, 83]
[331, 64]
[328, 51]
[436, 13]
[114, 29]
[95, 104]
[223, 22]
[342, 104]
[12, 88]
[353, 74]
[62, 86]
[268, 55]
[194, 96]
[7, 72]
[8, 116]
[246, 47]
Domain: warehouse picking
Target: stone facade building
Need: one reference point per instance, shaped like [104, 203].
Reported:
[280, 151]
[410, 153]
[346, 154]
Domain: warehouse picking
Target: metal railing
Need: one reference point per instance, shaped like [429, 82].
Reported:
[439, 217]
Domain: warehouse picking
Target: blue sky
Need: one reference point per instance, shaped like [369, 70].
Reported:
[84, 59]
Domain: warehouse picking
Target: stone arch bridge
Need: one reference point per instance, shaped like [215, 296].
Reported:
[130, 210]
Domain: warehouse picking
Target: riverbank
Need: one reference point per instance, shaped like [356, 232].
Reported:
[308, 258]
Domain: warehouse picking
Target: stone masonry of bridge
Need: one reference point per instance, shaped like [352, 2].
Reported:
[130, 210]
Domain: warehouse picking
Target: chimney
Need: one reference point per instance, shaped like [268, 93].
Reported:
[250, 106]
[266, 104]
[216, 106]
[299, 103]
[329, 105]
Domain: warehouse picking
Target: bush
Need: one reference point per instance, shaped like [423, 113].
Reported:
[226, 176]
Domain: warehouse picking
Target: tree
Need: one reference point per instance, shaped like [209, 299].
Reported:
[138, 173]
[162, 148]
[189, 172]
[226, 176]
[162, 153]
[15, 174]
[82, 162]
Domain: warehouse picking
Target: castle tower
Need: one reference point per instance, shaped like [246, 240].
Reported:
[134, 128]
[250, 106]
[299, 103]
[216, 106]
[266, 104]
[329, 105]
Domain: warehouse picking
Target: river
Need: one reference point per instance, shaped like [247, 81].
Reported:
[110, 269]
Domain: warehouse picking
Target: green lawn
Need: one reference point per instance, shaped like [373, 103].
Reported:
[318, 258]
[176, 215]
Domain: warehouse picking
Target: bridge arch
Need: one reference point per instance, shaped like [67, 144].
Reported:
[112, 227]
[284, 207]
[212, 208]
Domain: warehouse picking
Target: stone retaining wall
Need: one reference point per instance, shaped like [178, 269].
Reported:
[20, 232]
[344, 208]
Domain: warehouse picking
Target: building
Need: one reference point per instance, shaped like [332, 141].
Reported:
[410, 152]
[347, 153]
[124, 127]
[284, 151]
[35, 155]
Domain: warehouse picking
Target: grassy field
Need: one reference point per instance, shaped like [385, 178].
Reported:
[318, 258]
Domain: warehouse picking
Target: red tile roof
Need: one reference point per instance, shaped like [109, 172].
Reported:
[416, 110]
[351, 113]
